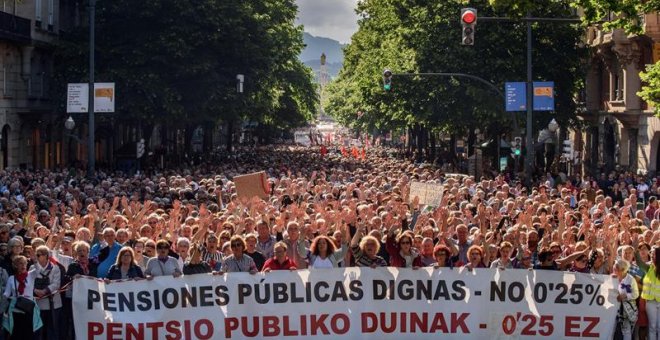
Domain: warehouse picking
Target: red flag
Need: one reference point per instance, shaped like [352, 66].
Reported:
[355, 152]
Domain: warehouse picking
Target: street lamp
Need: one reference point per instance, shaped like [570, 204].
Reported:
[69, 124]
[546, 145]
[91, 152]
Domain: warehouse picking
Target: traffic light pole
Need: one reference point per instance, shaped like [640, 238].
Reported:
[460, 75]
[529, 155]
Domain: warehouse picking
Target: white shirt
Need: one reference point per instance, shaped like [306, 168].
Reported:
[54, 277]
[11, 290]
[320, 263]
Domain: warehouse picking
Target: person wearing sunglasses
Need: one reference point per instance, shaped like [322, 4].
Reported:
[400, 248]
[238, 261]
[47, 278]
[163, 264]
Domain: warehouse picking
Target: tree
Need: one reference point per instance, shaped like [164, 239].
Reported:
[424, 36]
[175, 62]
[626, 16]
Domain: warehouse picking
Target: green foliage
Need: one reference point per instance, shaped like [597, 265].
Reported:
[422, 36]
[651, 92]
[178, 60]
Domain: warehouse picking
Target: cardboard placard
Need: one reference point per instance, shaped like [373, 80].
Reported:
[250, 185]
[428, 193]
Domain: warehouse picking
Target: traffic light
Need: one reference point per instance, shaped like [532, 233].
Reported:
[468, 21]
[568, 151]
[387, 80]
[517, 145]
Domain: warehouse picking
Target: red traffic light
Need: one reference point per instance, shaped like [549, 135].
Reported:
[469, 17]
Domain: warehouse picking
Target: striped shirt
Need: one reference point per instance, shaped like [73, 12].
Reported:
[362, 260]
[266, 248]
[213, 258]
[233, 264]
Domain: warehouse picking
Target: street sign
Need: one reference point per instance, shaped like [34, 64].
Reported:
[503, 163]
[544, 96]
[515, 96]
[78, 97]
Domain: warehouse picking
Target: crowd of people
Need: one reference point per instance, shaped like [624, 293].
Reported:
[325, 210]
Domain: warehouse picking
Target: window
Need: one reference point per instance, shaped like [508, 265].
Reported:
[51, 15]
[37, 14]
[4, 80]
[618, 86]
[617, 81]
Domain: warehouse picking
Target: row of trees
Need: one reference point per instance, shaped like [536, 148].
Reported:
[175, 62]
[418, 36]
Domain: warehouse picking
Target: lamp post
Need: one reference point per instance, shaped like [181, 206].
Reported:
[69, 125]
[90, 147]
[545, 147]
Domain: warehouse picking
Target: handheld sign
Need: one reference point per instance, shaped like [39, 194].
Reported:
[254, 184]
[428, 193]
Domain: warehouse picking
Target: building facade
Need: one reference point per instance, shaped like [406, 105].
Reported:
[620, 131]
[32, 130]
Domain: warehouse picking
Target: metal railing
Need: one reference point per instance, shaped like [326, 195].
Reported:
[14, 28]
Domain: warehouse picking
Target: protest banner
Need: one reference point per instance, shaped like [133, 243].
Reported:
[351, 303]
[428, 193]
[250, 185]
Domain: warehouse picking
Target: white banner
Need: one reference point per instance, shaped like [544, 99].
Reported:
[351, 303]
[78, 97]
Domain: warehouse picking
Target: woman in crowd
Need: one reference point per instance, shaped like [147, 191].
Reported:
[195, 265]
[365, 250]
[47, 278]
[627, 296]
[402, 253]
[138, 252]
[442, 256]
[476, 258]
[163, 264]
[504, 259]
[125, 267]
[23, 319]
[238, 261]
[81, 266]
[211, 253]
[280, 261]
[651, 293]
[149, 249]
[323, 254]
[15, 247]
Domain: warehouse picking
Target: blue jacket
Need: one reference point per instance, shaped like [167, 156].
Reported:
[104, 257]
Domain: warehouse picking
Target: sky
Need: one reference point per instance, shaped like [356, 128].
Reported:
[335, 19]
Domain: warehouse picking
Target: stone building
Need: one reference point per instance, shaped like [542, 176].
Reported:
[32, 129]
[621, 131]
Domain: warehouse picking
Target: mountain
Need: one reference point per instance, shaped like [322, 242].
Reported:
[315, 46]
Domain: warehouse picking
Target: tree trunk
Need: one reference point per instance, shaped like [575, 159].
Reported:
[433, 147]
[420, 145]
[230, 135]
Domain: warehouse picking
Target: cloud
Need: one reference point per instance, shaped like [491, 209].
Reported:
[334, 19]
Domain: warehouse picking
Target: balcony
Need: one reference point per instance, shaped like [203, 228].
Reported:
[14, 28]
